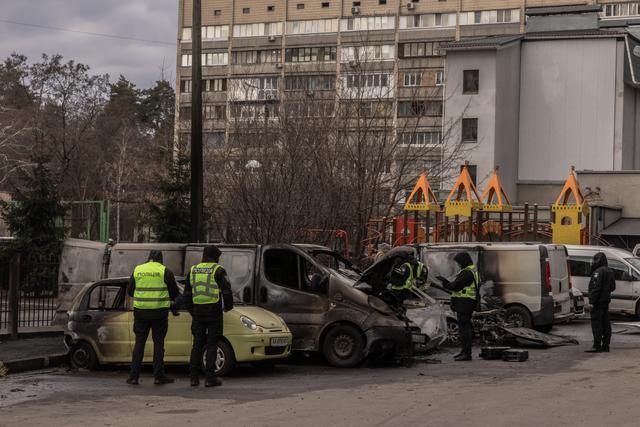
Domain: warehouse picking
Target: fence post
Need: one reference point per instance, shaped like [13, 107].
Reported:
[14, 300]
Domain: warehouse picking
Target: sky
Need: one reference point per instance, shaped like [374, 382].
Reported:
[139, 61]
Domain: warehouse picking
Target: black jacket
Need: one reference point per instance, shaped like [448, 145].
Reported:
[209, 312]
[603, 281]
[172, 287]
[462, 280]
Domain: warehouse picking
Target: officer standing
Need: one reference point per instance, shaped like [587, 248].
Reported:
[464, 291]
[405, 276]
[202, 290]
[153, 288]
[601, 285]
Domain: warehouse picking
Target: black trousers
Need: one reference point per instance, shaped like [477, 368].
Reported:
[158, 328]
[601, 325]
[205, 336]
[466, 332]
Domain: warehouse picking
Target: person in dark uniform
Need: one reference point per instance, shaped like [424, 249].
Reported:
[601, 285]
[204, 286]
[464, 297]
[154, 290]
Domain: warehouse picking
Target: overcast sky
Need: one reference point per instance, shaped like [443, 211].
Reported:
[139, 61]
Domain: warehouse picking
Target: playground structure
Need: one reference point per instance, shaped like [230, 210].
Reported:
[465, 216]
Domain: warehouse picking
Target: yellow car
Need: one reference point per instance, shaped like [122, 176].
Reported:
[100, 331]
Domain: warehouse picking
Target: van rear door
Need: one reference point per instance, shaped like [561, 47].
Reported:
[559, 279]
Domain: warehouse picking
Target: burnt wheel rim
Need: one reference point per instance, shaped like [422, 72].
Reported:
[80, 357]
[515, 320]
[344, 345]
[453, 333]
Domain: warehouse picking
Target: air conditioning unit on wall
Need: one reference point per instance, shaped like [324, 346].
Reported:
[272, 38]
[411, 6]
[355, 10]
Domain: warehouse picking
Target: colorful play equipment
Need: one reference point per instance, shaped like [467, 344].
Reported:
[463, 198]
[567, 225]
[422, 197]
[494, 199]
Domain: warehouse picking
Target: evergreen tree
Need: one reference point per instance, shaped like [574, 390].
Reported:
[171, 217]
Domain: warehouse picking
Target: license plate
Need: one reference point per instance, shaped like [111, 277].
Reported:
[279, 342]
[418, 339]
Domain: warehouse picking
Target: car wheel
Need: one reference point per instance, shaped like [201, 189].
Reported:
[83, 356]
[343, 346]
[544, 328]
[517, 317]
[225, 359]
[453, 332]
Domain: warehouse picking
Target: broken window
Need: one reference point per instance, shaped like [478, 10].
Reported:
[281, 268]
[107, 297]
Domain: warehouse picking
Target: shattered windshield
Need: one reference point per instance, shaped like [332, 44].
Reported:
[635, 263]
[337, 263]
[441, 263]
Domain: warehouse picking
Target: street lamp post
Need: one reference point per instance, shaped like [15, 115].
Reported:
[196, 125]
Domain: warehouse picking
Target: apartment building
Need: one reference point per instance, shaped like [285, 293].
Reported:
[384, 54]
[565, 93]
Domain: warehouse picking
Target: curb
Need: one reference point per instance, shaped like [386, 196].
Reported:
[34, 334]
[34, 363]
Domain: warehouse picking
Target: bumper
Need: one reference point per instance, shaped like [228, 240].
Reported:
[388, 341]
[255, 347]
[546, 314]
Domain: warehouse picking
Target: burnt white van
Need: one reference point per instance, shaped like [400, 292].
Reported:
[531, 280]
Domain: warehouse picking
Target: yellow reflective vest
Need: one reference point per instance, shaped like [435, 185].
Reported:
[204, 288]
[151, 292]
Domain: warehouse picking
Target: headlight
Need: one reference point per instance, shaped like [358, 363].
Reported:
[248, 323]
[284, 324]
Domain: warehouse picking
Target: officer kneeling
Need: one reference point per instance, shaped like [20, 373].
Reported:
[202, 290]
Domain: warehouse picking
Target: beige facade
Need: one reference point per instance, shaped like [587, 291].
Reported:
[274, 42]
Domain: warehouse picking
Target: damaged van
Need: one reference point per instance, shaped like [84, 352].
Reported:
[312, 289]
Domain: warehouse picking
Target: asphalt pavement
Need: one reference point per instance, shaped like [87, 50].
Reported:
[558, 386]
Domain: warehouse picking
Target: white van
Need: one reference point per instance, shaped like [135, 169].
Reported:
[625, 266]
[531, 279]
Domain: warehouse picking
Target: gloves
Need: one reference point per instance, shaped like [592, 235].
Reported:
[174, 309]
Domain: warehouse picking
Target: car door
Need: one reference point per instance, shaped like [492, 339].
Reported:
[580, 267]
[284, 288]
[622, 299]
[110, 319]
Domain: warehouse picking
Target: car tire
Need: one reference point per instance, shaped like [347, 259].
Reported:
[544, 328]
[343, 346]
[225, 360]
[83, 356]
[518, 316]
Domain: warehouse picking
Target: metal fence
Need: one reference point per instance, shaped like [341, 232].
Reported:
[36, 293]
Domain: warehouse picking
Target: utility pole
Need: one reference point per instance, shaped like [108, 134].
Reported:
[196, 125]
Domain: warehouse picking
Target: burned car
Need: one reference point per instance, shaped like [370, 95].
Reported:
[312, 288]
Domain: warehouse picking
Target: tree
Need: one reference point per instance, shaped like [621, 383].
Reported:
[34, 218]
[171, 215]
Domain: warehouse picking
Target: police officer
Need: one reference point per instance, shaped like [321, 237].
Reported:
[204, 285]
[464, 294]
[405, 276]
[601, 285]
[153, 288]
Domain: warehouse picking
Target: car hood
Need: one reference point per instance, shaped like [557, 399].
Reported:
[264, 318]
[376, 275]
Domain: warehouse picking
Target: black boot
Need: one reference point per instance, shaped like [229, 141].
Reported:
[163, 380]
[463, 357]
[594, 349]
[133, 381]
[195, 381]
[213, 382]
[605, 349]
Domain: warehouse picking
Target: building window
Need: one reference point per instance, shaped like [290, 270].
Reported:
[215, 85]
[440, 78]
[382, 2]
[419, 49]
[325, 4]
[214, 139]
[368, 23]
[312, 83]
[412, 79]
[185, 86]
[419, 108]
[254, 89]
[245, 57]
[271, 8]
[313, 26]
[428, 20]
[217, 12]
[214, 112]
[501, 16]
[257, 30]
[473, 172]
[469, 131]
[367, 80]
[300, 6]
[246, 10]
[309, 109]
[432, 137]
[620, 9]
[470, 82]
[356, 3]
[368, 53]
[210, 32]
[311, 54]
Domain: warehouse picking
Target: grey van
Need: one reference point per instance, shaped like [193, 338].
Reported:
[531, 280]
